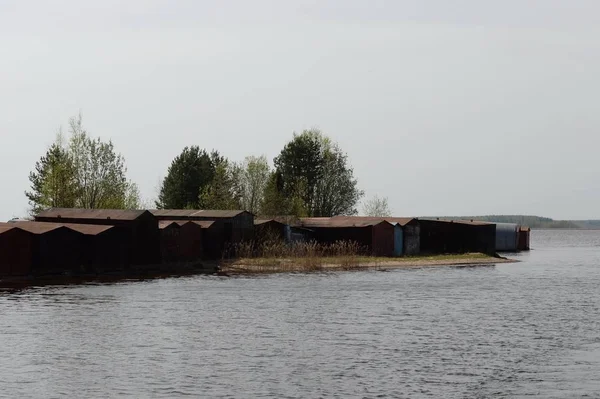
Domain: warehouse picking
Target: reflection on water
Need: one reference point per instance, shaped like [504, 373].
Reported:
[517, 330]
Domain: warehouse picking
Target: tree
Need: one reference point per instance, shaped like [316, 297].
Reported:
[133, 199]
[53, 182]
[187, 177]
[254, 177]
[86, 173]
[336, 192]
[300, 165]
[275, 203]
[224, 191]
[100, 172]
[377, 207]
[316, 171]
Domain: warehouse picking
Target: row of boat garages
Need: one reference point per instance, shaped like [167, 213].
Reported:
[82, 240]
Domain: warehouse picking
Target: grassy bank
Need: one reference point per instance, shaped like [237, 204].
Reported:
[345, 262]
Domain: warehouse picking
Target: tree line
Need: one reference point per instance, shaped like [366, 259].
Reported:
[310, 177]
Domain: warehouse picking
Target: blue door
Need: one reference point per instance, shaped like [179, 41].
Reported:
[398, 240]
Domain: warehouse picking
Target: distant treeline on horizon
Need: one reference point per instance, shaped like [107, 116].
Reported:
[535, 222]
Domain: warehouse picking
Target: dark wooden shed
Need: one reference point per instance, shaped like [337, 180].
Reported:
[103, 247]
[191, 240]
[523, 237]
[56, 249]
[270, 229]
[170, 250]
[375, 235]
[457, 236]
[407, 240]
[16, 251]
[181, 241]
[139, 227]
[225, 228]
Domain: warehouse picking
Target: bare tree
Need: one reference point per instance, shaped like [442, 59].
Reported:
[377, 207]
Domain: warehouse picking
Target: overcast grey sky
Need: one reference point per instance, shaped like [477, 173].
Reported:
[445, 107]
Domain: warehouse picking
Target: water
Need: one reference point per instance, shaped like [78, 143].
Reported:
[529, 329]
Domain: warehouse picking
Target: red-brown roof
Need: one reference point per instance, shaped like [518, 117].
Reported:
[258, 222]
[76, 213]
[163, 224]
[402, 221]
[202, 223]
[341, 221]
[459, 221]
[4, 227]
[87, 229]
[37, 228]
[205, 224]
[190, 213]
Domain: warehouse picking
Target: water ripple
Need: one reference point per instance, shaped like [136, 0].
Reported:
[518, 330]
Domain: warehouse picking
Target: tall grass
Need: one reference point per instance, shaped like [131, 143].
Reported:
[273, 254]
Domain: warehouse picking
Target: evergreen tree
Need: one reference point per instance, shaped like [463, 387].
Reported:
[315, 170]
[53, 182]
[187, 177]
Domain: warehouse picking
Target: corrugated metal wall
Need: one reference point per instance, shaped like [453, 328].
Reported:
[507, 237]
[439, 237]
[412, 238]
[524, 235]
[398, 240]
[383, 235]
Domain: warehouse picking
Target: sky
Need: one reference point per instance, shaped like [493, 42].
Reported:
[463, 107]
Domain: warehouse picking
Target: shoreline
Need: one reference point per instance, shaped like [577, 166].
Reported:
[289, 265]
[251, 266]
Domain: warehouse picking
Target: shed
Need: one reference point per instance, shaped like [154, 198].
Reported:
[376, 235]
[291, 225]
[16, 251]
[139, 227]
[169, 241]
[213, 239]
[228, 226]
[524, 237]
[103, 247]
[457, 236]
[191, 239]
[185, 239]
[406, 235]
[270, 229]
[507, 237]
[237, 225]
[56, 249]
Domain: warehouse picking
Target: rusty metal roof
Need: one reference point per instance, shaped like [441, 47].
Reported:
[459, 221]
[76, 213]
[402, 221]
[87, 229]
[258, 222]
[4, 227]
[37, 228]
[163, 224]
[341, 221]
[202, 223]
[190, 213]
[205, 224]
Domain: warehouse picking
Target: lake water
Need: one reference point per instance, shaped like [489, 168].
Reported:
[530, 329]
